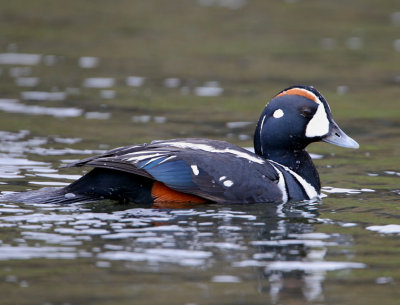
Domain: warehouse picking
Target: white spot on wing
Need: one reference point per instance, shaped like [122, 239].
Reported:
[195, 169]
[228, 183]
[278, 113]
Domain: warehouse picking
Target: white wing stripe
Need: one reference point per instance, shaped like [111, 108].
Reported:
[211, 149]
[144, 157]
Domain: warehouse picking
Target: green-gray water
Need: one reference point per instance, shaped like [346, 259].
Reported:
[80, 77]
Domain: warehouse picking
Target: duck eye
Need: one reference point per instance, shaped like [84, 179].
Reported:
[306, 112]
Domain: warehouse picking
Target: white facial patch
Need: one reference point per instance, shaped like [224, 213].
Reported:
[278, 113]
[318, 126]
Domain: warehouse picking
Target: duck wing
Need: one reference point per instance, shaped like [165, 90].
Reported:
[214, 170]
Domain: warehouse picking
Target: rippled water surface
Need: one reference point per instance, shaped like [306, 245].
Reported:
[60, 102]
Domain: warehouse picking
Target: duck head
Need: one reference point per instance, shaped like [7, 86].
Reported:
[294, 118]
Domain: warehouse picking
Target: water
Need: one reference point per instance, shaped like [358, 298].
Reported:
[144, 82]
[258, 254]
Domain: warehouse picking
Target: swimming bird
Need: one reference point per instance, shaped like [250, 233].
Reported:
[194, 170]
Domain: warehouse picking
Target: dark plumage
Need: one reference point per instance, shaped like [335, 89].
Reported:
[200, 170]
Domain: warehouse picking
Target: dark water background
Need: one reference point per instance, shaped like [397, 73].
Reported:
[80, 77]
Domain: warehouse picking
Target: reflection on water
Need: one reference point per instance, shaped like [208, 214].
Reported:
[43, 96]
[27, 81]
[262, 237]
[20, 59]
[209, 89]
[13, 106]
[266, 244]
[98, 82]
[135, 81]
[88, 62]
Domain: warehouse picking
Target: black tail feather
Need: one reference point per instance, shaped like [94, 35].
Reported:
[47, 195]
[96, 185]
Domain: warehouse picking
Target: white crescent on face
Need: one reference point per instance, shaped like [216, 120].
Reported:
[318, 126]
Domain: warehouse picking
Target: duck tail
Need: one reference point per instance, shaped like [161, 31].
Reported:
[46, 195]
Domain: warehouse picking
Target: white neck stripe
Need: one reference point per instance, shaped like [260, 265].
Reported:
[308, 188]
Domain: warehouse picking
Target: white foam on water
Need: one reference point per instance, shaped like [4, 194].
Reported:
[336, 190]
[224, 246]
[51, 238]
[67, 140]
[27, 81]
[233, 125]
[86, 231]
[63, 151]
[20, 59]
[249, 263]
[135, 81]
[313, 235]
[165, 228]
[230, 4]
[151, 240]
[98, 82]
[25, 252]
[225, 279]
[48, 183]
[121, 235]
[172, 82]
[385, 229]
[311, 266]
[14, 210]
[19, 71]
[13, 106]
[43, 96]
[159, 119]
[20, 162]
[228, 215]
[140, 212]
[107, 94]
[287, 242]
[229, 228]
[141, 118]
[176, 256]
[98, 115]
[208, 91]
[59, 176]
[88, 62]
[7, 172]
[38, 218]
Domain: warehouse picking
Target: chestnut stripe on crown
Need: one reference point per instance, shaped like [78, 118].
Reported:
[299, 91]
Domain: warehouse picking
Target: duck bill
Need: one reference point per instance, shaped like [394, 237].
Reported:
[337, 137]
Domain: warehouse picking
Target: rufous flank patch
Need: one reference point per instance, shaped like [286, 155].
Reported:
[162, 193]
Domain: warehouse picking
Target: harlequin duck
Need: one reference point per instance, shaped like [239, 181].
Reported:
[202, 170]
